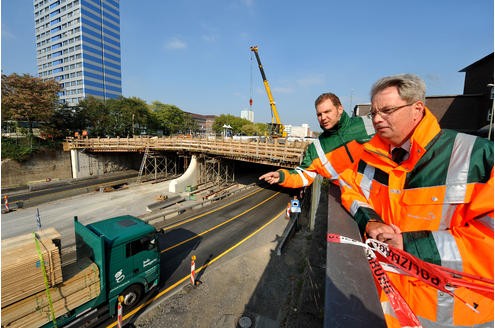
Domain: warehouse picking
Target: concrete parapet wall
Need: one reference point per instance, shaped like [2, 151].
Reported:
[56, 165]
[50, 165]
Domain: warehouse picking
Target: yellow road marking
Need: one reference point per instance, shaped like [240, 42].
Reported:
[180, 281]
[212, 211]
[218, 225]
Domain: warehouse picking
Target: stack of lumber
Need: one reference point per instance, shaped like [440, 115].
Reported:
[81, 285]
[22, 274]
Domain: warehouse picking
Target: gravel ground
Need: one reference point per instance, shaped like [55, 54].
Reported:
[253, 286]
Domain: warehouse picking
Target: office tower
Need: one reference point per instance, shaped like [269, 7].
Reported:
[78, 44]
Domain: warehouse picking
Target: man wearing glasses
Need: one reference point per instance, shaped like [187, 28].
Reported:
[336, 148]
[428, 192]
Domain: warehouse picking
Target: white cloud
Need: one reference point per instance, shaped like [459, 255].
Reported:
[209, 38]
[175, 43]
[311, 80]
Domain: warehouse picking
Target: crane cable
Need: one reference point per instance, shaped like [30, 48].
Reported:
[251, 84]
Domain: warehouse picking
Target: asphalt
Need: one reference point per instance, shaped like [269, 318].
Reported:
[252, 286]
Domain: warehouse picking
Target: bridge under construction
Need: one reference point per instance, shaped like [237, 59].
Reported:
[202, 159]
[271, 151]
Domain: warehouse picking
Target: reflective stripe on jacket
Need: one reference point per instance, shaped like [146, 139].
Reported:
[441, 198]
[333, 151]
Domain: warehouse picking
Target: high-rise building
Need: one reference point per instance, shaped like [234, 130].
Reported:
[78, 44]
[248, 115]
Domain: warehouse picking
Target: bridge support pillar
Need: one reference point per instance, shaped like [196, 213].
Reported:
[203, 169]
[74, 161]
[189, 178]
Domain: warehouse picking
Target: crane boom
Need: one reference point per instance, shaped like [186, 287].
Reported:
[276, 126]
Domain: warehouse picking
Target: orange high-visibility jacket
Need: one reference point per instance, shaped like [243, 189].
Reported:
[334, 151]
[441, 198]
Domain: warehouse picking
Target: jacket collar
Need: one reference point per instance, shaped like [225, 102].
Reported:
[424, 133]
[342, 123]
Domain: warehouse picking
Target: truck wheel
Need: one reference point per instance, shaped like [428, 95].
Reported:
[132, 296]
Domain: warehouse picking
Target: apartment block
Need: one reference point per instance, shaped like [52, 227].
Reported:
[78, 44]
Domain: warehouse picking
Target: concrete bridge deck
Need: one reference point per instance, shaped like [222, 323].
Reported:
[271, 152]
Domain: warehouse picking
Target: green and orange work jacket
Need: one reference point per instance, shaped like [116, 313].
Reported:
[334, 151]
[441, 198]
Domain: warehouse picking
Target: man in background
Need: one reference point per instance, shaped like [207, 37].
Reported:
[336, 148]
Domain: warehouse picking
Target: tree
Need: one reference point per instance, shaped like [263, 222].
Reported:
[227, 119]
[28, 98]
[135, 113]
[171, 118]
[95, 116]
[115, 117]
[64, 122]
[254, 129]
[190, 125]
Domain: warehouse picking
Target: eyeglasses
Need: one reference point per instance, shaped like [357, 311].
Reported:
[386, 112]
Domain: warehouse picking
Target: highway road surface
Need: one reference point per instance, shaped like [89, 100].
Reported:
[209, 236]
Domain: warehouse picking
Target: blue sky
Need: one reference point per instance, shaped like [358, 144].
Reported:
[195, 53]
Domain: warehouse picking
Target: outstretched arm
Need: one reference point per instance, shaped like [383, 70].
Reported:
[271, 177]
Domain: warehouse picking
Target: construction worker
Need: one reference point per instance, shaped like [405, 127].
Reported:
[335, 149]
[434, 202]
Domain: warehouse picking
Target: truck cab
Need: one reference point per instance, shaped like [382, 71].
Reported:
[130, 259]
[125, 250]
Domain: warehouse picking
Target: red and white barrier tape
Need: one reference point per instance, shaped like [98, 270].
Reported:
[404, 314]
[399, 261]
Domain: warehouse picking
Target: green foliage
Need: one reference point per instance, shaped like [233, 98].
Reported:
[11, 148]
[254, 129]
[20, 149]
[172, 120]
[65, 121]
[27, 98]
[227, 119]
[115, 117]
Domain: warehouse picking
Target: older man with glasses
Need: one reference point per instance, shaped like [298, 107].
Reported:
[428, 192]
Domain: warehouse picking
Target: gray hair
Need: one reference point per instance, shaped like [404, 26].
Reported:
[410, 87]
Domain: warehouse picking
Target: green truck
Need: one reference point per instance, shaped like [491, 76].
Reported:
[126, 251]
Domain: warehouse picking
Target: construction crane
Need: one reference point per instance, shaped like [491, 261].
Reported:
[276, 127]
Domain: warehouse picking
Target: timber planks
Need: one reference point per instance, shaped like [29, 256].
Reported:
[82, 285]
[22, 274]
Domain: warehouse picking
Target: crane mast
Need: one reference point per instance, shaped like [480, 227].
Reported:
[276, 126]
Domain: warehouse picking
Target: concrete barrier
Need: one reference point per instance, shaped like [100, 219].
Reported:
[351, 298]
